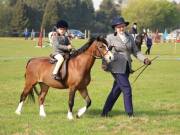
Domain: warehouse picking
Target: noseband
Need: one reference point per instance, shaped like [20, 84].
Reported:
[102, 56]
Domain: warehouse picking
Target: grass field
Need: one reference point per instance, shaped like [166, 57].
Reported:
[156, 97]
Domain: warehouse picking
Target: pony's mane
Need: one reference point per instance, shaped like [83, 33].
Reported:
[87, 45]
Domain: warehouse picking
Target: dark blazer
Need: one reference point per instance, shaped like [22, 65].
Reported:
[60, 44]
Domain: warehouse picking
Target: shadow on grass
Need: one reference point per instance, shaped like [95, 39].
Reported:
[138, 113]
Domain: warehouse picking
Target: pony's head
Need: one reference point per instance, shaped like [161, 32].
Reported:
[102, 50]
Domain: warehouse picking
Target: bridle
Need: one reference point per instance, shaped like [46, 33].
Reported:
[101, 55]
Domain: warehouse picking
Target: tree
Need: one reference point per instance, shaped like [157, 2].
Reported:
[51, 14]
[178, 18]
[105, 14]
[87, 15]
[20, 19]
[70, 11]
[154, 14]
[36, 10]
[12, 2]
[5, 18]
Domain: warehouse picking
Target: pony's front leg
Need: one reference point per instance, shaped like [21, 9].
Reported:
[71, 104]
[19, 108]
[85, 95]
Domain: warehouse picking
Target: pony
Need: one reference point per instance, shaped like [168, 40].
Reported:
[139, 40]
[39, 71]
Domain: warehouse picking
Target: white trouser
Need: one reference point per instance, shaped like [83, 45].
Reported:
[60, 59]
[134, 36]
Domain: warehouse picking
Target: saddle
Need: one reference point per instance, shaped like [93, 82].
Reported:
[63, 69]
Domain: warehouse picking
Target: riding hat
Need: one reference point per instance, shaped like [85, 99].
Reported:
[62, 24]
[118, 21]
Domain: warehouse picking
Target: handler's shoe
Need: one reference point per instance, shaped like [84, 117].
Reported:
[131, 115]
[104, 115]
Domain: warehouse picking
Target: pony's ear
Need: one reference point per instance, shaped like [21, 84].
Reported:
[101, 37]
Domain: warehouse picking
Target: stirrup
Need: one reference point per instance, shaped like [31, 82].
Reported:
[56, 77]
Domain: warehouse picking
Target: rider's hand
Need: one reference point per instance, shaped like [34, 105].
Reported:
[69, 47]
[54, 33]
[147, 61]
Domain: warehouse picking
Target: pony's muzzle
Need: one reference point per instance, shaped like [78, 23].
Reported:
[109, 57]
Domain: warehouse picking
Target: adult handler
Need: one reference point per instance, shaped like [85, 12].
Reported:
[123, 46]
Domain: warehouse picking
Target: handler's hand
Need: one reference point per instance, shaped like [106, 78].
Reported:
[147, 61]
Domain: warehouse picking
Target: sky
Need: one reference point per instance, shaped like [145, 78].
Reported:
[97, 3]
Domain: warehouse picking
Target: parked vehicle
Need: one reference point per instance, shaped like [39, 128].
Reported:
[77, 34]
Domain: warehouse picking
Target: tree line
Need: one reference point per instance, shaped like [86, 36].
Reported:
[16, 15]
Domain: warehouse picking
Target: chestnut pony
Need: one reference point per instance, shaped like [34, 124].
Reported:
[39, 71]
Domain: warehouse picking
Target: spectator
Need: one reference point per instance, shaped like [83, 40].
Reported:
[134, 30]
[26, 34]
[148, 44]
[32, 34]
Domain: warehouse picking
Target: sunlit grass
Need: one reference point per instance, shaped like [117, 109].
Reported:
[156, 96]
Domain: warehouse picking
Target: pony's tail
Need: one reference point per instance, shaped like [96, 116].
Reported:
[27, 65]
[31, 96]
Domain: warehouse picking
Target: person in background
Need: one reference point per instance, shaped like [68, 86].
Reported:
[26, 34]
[134, 31]
[61, 46]
[32, 34]
[144, 30]
[122, 45]
[148, 40]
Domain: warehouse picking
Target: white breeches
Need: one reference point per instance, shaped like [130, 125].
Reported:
[60, 59]
[134, 36]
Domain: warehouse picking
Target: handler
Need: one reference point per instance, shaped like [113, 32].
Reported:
[123, 46]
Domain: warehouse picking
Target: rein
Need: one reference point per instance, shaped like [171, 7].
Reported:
[98, 57]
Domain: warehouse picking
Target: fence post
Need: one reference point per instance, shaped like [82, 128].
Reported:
[89, 34]
[40, 38]
[85, 33]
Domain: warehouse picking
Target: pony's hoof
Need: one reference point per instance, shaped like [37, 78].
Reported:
[81, 112]
[70, 116]
[17, 112]
[77, 116]
[42, 115]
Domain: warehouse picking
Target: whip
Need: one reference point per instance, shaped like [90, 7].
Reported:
[142, 69]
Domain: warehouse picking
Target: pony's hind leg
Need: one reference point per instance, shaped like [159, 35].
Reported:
[85, 95]
[71, 103]
[27, 89]
[44, 90]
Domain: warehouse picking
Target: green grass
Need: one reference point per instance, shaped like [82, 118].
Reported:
[156, 97]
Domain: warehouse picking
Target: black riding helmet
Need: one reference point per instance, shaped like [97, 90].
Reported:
[62, 24]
